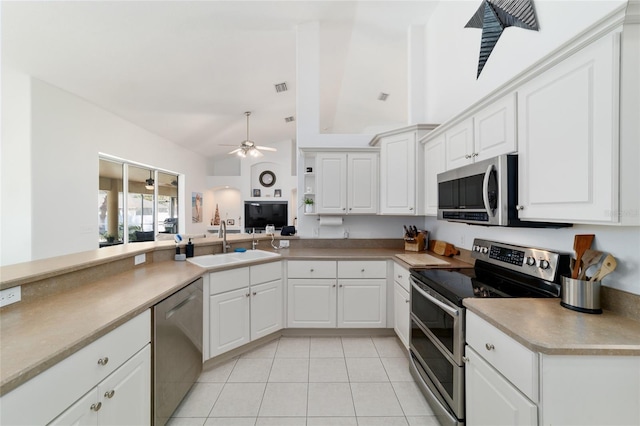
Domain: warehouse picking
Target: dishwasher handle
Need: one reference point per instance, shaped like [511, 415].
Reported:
[179, 306]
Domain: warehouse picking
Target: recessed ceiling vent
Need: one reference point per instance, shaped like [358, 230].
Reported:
[383, 96]
[289, 119]
[281, 87]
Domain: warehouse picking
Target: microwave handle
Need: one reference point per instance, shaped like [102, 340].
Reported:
[448, 309]
[485, 191]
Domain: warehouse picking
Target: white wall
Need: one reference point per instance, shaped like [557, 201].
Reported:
[452, 49]
[67, 133]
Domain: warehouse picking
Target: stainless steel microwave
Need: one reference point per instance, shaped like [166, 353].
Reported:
[484, 193]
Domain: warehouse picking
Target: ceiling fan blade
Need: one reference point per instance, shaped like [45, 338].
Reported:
[266, 148]
[234, 151]
[227, 144]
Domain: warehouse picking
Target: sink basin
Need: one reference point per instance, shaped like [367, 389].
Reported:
[214, 260]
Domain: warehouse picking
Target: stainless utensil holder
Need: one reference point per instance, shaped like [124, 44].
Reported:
[581, 296]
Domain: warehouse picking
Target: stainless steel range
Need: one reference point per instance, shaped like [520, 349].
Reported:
[437, 314]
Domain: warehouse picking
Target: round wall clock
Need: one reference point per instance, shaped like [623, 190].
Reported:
[267, 178]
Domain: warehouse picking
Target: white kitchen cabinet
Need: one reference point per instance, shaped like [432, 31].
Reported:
[327, 294]
[105, 364]
[434, 163]
[488, 133]
[507, 383]
[123, 398]
[568, 138]
[491, 399]
[401, 170]
[347, 183]
[401, 313]
[245, 304]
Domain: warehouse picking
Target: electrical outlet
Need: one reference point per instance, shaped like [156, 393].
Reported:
[284, 243]
[9, 296]
[140, 258]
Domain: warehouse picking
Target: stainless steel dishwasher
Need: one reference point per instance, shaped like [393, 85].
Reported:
[177, 349]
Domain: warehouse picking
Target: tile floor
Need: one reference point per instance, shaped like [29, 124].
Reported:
[310, 381]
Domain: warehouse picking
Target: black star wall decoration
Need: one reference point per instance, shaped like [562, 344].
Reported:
[493, 16]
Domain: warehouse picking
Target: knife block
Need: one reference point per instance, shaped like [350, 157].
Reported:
[416, 244]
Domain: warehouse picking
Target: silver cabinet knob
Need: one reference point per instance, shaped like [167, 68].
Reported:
[489, 346]
[311, 270]
[340, 285]
[96, 407]
[333, 285]
[350, 208]
[248, 294]
[254, 293]
[399, 276]
[475, 154]
[406, 300]
[465, 359]
[467, 156]
[519, 207]
[410, 208]
[109, 394]
[362, 270]
[343, 209]
[103, 361]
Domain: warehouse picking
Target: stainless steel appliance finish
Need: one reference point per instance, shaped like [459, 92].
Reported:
[437, 339]
[484, 193]
[177, 349]
[582, 296]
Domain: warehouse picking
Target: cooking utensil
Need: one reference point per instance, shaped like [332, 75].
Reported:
[608, 266]
[589, 259]
[580, 244]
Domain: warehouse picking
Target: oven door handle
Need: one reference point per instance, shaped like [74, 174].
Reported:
[451, 311]
[485, 191]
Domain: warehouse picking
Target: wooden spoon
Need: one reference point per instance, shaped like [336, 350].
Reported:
[580, 244]
[589, 258]
[608, 266]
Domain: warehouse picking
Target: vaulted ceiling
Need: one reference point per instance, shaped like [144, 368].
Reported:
[187, 70]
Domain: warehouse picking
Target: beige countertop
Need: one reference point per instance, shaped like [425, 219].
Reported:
[37, 334]
[544, 326]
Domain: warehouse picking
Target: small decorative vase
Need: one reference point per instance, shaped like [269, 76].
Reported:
[308, 208]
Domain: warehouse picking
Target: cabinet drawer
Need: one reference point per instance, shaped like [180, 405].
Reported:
[311, 269]
[362, 269]
[233, 279]
[58, 387]
[266, 272]
[515, 362]
[401, 276]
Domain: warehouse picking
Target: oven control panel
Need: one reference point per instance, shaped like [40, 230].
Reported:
[536, 262]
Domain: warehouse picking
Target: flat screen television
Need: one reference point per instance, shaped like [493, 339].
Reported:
[259, 214]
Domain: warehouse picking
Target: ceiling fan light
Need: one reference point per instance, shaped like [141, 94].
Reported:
[242, 154]
[254, 152]
[149, 182]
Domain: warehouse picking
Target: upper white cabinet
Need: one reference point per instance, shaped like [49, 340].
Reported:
[347, 183]
[488, 133]
[568, 138]
[434, 163]
[401, 170]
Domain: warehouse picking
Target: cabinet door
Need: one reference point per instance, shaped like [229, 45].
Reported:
[434, 163]
[126, 394]
[495, 129]
[362, 178]
[229, 321]
[459, 145]
[311, 303]
[83, 413]
[401, 312]
[266, 308]
[567, 138]
[398, 174]
[362, 303]
[492, 400]
[331, 182]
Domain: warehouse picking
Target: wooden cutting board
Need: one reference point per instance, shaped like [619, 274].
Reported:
[421, 259]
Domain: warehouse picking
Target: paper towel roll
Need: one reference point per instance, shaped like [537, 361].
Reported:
[330, 221]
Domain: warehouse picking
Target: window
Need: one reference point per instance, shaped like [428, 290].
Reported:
[149, 198]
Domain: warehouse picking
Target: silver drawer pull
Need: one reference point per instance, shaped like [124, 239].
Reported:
[96, 407]
[311, 270]
[489, 346]
[109, 394]
[103, 361]
[362, 270]
[465, 359]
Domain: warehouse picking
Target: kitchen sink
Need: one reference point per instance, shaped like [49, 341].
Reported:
[214, 260]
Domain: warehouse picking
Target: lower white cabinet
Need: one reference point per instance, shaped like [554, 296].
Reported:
[349, 294]
[245, 304]
[401, 303]
[111, 374]
[123, 398]
[491, 399]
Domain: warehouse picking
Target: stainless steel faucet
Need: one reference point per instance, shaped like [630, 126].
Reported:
[222, 232]
[254, 243]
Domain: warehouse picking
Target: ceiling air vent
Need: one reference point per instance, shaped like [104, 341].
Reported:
[281, 87]
[289, 119]
[383, 96]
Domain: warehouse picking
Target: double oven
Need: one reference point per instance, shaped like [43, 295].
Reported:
[437, 340]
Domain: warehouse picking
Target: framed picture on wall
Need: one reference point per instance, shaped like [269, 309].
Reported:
[277, 193]
[256, 192]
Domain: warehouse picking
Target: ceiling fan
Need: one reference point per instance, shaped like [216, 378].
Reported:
[248, 147]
